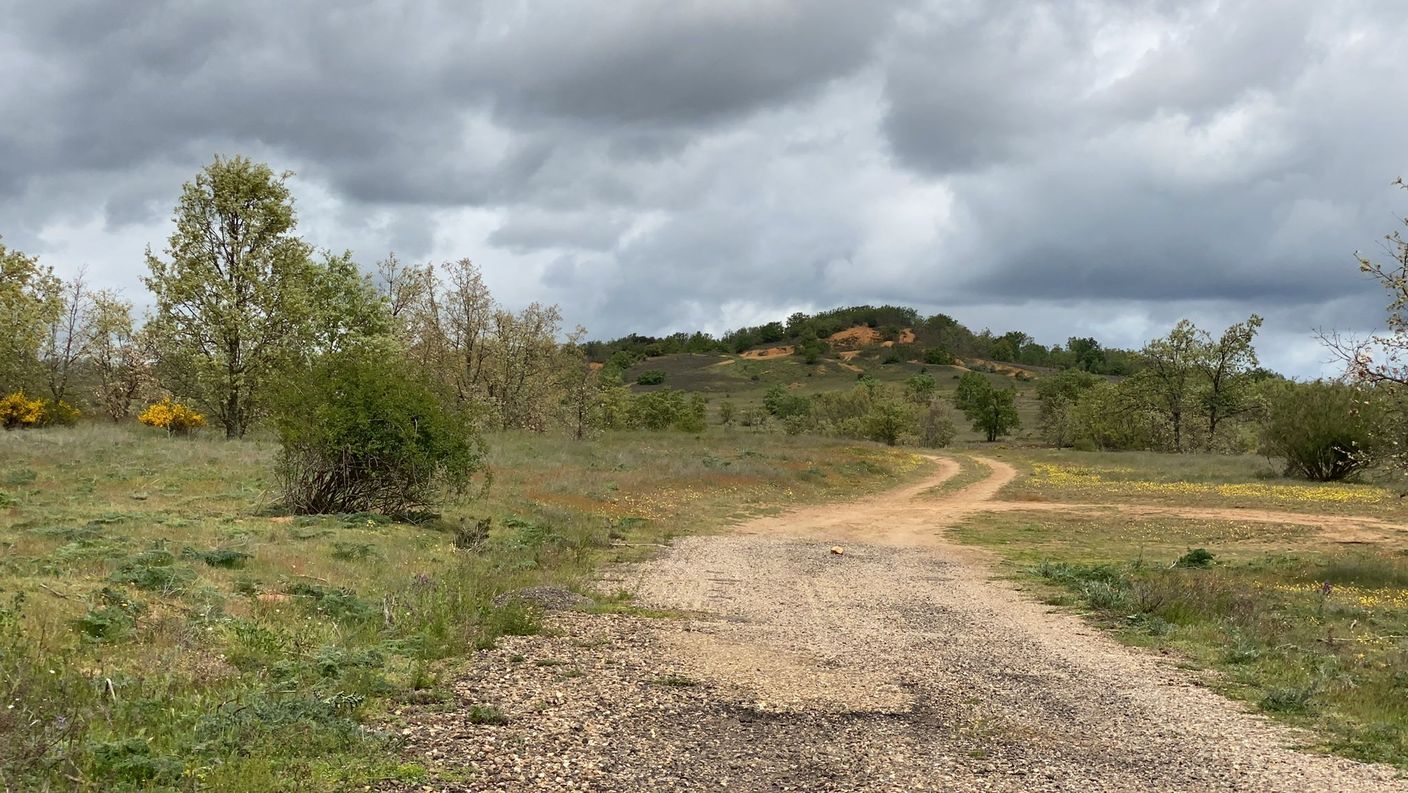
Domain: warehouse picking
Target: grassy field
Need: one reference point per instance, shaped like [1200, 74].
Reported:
[159, 629]
[1298, 622]
[1205, 480]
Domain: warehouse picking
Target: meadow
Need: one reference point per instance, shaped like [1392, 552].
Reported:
[162, 629]
[1306, 623]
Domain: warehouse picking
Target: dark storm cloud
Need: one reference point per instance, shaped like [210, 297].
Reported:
[1088, 165]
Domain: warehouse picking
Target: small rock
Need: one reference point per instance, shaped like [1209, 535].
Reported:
[837, 550]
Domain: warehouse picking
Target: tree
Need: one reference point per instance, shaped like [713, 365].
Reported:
[119, 356]
[1230, 367]
[1057, 395]
[1086, 354]
[1170, 377]
[232, 299]
[68, 336]
[31, 300]
[581, 386]
[1324, 431]
[993, 411]
[727, 412]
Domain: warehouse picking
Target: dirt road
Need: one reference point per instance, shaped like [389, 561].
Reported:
[899, 665]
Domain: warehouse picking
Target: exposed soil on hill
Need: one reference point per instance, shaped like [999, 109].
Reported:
[897, 664]
[769, 353]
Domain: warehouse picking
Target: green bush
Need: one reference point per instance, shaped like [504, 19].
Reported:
[783, 404]
[1324, 431]
[667, 408]
[938, 356]
[650, 377]
[362, 432]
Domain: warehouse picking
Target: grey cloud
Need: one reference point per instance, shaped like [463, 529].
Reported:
[657, 165]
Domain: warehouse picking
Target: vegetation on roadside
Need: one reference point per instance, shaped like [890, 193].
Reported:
[160, 630]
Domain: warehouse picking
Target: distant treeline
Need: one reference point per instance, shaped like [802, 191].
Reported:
[938, 336]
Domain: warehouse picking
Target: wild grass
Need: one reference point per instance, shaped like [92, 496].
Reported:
[1303, 629]
[160, 630]
[1211, 480]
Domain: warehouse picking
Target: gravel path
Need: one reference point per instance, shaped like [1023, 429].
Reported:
[898, 665]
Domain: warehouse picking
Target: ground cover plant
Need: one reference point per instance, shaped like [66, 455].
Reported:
[1304, 623]
[161, 629]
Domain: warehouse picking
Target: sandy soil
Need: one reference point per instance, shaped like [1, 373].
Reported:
[896, 665]
[769, 353]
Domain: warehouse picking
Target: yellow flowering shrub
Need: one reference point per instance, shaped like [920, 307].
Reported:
[18, 410]
[172, 416]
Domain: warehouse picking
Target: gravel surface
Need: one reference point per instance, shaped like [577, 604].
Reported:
[898, 665]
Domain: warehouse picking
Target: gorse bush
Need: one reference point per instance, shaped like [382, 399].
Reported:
[1324, 431]
[650, 377]
[174, 417]
[18, 411]
[361, 433]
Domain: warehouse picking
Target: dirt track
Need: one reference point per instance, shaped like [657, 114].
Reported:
[899, 665]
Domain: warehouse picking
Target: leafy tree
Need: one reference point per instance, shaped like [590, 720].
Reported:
[1057, 395]
[1230, 368]
[1086, 354]
[233, 302]
[31, 300]
[1323, 430]
[993, 411]
[1170, 378]
[582, 388]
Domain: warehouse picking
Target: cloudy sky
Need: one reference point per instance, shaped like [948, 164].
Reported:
[1063, 167]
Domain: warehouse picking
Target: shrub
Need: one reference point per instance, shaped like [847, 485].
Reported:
[938, 356]
[172, 416]
[667, 408]
[1197, 557]
[650, 377]
[18, 411]
[1324, 431]
[57, 413]
[936, 429]
[361, 433]
[784, 404]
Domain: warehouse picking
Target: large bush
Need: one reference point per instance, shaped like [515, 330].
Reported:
[665, 409]
[362, 433]
[1324, 431]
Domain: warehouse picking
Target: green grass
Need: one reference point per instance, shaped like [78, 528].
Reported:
[1258, 612]
[159, 630]
[1204, 480]
[970, 472]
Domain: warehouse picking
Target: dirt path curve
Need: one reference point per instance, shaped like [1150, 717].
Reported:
[899, 665]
